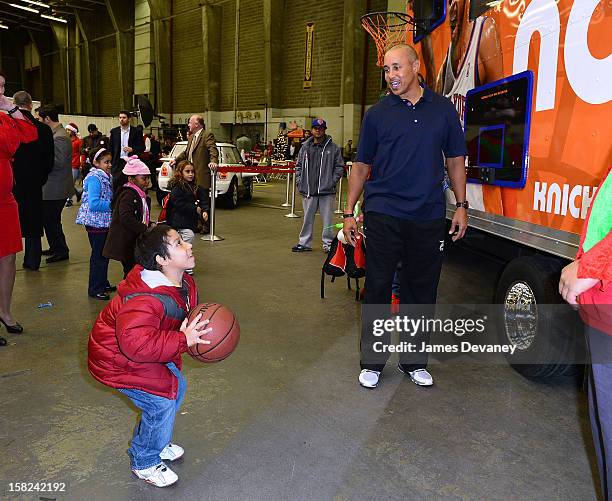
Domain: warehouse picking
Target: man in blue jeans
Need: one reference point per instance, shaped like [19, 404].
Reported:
[137, 342]
[404, 140]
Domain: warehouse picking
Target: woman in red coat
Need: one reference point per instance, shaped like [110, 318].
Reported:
[14, 130]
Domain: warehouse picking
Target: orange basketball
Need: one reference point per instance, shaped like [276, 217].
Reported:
[224, 336]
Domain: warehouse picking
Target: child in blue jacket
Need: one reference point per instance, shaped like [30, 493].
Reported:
[95, 214]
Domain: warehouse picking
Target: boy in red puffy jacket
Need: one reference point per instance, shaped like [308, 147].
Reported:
[136, 344]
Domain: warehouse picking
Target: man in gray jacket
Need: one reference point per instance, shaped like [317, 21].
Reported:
[319, 167]
[58, 188]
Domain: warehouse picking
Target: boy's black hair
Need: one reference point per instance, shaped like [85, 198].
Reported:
[150, 244]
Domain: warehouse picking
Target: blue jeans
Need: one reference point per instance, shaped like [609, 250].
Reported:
[600, 403]
[154, 430]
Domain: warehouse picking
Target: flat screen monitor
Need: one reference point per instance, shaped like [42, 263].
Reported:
[497, 123]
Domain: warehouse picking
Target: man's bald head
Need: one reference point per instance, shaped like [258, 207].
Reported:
[401, 68]
[196, 122]
[406, 49]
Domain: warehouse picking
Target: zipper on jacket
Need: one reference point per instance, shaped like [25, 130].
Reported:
[321, 166]
[307, 179]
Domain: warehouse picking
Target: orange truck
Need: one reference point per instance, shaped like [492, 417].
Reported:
[532, 83]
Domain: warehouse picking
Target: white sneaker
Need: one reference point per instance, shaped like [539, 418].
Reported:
[159, 475]
[171, 452]
[368, 378]
[420, 377]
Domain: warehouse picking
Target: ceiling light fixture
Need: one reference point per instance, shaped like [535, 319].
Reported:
[4, 27]
[58, 19]
[39, 4]
[23, 7]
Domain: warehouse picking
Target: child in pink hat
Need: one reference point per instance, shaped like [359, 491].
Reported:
[131, 214]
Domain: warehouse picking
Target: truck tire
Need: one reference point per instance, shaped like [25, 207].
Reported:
[543, 346]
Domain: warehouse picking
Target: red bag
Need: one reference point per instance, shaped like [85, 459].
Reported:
[163, 214]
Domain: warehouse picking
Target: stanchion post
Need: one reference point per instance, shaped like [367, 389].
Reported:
[339, 209]
[211, 237]
[287, 204]
[292, 213]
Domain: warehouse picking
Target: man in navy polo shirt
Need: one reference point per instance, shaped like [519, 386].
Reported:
[404, 141]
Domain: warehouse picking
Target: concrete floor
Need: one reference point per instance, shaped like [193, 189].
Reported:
[283, 418]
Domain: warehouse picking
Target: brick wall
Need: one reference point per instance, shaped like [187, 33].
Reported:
[108, 87]
[374, 72]
[251, 83]
[57, 88]
[327, 54]
[228, 16]
[187, 71]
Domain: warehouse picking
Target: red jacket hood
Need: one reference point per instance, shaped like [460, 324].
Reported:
[134, 284]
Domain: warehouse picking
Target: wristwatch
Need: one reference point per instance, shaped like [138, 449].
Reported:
[465, 204]
[347, 216]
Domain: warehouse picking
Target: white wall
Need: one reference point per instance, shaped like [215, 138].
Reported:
[104, 124]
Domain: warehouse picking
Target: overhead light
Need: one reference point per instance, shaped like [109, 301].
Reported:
[23, 7]
[39, 4]
[58, 19]
[4, 27]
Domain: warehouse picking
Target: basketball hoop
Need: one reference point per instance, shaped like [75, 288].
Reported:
[387, 29]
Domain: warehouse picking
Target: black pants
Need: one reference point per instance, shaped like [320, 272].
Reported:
[52, 223]
[419, 245]
[153, 169]
[206, 224]
[128, 264]
[119, 178]
[98, 264]
[32, 252]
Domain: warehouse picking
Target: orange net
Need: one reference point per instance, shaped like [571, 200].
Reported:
[387, 29]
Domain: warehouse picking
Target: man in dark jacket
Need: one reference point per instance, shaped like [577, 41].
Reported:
[125, 141]
[31, 167]
[91, 143]
[319, 167]
[58, 188]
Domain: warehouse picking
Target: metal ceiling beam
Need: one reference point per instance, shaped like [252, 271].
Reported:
[87, 77]
[29, 20]
[79, 7]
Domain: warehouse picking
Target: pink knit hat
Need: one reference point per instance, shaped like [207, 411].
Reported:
[135, 167]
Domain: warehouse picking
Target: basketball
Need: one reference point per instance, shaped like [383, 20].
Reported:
[224, 336]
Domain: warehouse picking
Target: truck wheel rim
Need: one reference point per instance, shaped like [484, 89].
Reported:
[520, 315]
[235, 195]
